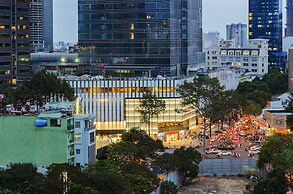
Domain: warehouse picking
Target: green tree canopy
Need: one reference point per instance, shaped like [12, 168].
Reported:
[21, 178]
[135, 145]
[168, 187]
[186, 160]
[42, 87]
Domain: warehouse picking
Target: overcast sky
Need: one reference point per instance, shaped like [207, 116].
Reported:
[216, 14]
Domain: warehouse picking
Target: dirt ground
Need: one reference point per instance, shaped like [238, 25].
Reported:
[215, 185]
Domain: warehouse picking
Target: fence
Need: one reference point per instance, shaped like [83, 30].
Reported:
[226, 166]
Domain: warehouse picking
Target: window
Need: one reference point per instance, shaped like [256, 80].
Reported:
[230, 52]
[77, 137]
[254, 53]
[77, 124]
[246, 53]
[55, 122]
[92, 137]
[223, 52]
[77, 151]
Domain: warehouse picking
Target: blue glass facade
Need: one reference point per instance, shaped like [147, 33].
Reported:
[165, 35]
[265, 21]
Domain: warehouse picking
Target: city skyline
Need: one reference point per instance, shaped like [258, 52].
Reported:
[237, 14]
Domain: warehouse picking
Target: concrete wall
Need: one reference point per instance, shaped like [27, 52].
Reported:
[21, 141]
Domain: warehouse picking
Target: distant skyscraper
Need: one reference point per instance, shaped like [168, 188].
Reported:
[237, 32]
[141, 36]
[41, 25]
[14, 42]
[265, 21]
[210, 40]
[289, 25]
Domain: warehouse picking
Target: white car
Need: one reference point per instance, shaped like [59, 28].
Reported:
[213, 151]
[254, 152]
[224, 153]
[254, 148]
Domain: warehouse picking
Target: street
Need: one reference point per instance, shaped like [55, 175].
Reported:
[242, 139]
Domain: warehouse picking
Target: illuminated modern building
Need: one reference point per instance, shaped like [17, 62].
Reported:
[41, 25]
[237, 32]
[265, 21]
[59, 63]
[14, 42]
[114, 102]
[139, 37]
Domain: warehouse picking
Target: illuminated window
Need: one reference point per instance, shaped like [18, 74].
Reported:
[132, 36]
[77, 137]
[245, 53]
[132, 26]
[13, 27]
[20, 18]
[2, 27]
[7, 72]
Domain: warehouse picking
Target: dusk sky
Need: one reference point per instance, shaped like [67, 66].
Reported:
[216, 14]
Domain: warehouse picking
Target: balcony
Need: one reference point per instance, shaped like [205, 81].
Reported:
[70, 127]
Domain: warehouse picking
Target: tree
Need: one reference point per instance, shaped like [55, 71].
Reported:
[22, 178]
[277, 153]
[276, 81]
[275, 183]
[40, 89]
[135, 145]
[150, 106]
[142, 180]
[202, 94]
[60, 177]
[186, 160]
[168, 187]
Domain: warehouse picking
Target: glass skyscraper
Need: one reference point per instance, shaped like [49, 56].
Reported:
[139, 37]
[289, 25]
[265, 21]
[237, 32]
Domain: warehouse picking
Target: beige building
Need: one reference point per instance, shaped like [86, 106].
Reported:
[276, 121]
[290, 70]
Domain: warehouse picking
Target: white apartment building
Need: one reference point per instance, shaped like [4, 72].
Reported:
[84, 139]
[252, 60]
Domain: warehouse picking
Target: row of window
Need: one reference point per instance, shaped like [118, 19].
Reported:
[111, 6]
[240, 52]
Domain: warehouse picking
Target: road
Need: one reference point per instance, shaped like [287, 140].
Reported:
[241, 143]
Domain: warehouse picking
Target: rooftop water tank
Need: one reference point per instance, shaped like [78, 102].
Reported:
[39, 122]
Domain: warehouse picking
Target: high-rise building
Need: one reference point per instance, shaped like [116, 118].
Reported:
[289, 25]
[210, 40]
[290, 70]
[265, 21]
[237, 32]
[14, 42]
[41, 25]
[136, 37]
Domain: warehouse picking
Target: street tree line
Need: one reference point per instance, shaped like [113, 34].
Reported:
[131, 166]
